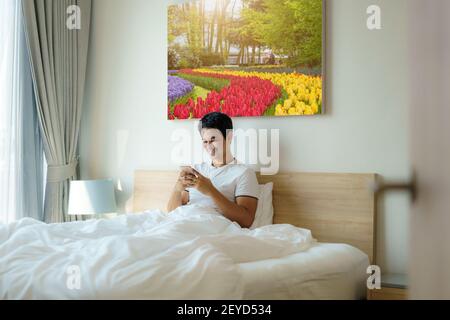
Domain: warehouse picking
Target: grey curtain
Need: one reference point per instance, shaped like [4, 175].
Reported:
[58, 56]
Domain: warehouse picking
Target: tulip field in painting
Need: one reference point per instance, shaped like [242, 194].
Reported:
[246, 58]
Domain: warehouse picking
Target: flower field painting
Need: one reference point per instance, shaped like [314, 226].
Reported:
[245, 58]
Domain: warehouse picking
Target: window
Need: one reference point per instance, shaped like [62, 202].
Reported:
[21, 151]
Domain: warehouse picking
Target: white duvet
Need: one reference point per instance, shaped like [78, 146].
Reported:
[191, 253]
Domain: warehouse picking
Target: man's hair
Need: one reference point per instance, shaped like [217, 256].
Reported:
[216, 120]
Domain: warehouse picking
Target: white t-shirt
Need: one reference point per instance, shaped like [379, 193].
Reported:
[232, 180]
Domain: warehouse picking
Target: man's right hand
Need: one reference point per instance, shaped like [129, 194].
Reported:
[185, 180]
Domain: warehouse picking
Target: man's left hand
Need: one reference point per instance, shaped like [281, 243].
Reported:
[202, 183]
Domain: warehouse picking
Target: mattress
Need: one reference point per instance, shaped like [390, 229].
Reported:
[325, 271]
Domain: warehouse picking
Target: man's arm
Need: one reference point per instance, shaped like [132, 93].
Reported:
[177, 199]
[179, 196]
[242, 211]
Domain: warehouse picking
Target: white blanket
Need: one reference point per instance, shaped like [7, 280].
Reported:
[192, 253]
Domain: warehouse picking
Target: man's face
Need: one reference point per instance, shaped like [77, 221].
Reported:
[214, 143]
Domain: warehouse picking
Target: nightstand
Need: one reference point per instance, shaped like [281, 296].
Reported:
[393, 287]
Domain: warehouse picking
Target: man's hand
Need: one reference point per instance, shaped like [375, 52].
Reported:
[201, 183]
[185, 180]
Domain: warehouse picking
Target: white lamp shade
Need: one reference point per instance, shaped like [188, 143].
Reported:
[91, 197]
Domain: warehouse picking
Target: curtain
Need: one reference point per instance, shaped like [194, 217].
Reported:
[21, 150]
[58, 56]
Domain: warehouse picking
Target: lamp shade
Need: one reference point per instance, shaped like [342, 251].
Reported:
[91, 197]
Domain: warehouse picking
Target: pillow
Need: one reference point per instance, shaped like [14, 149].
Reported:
[264, 211]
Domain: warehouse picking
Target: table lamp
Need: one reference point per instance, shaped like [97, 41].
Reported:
[92, 197]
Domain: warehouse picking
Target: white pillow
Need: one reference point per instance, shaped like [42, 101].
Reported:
[264, 211]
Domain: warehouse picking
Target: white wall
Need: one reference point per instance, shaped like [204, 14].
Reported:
[365, 128]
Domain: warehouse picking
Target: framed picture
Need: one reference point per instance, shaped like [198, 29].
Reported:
[246, 58]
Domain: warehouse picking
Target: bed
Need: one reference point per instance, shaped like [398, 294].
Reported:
[319, 247]
[339, 209]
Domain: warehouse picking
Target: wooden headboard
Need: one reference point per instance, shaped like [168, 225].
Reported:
[336, 207]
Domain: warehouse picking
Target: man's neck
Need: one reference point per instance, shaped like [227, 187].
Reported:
[218, 163]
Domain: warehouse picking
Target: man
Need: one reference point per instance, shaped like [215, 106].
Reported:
[230, 188]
